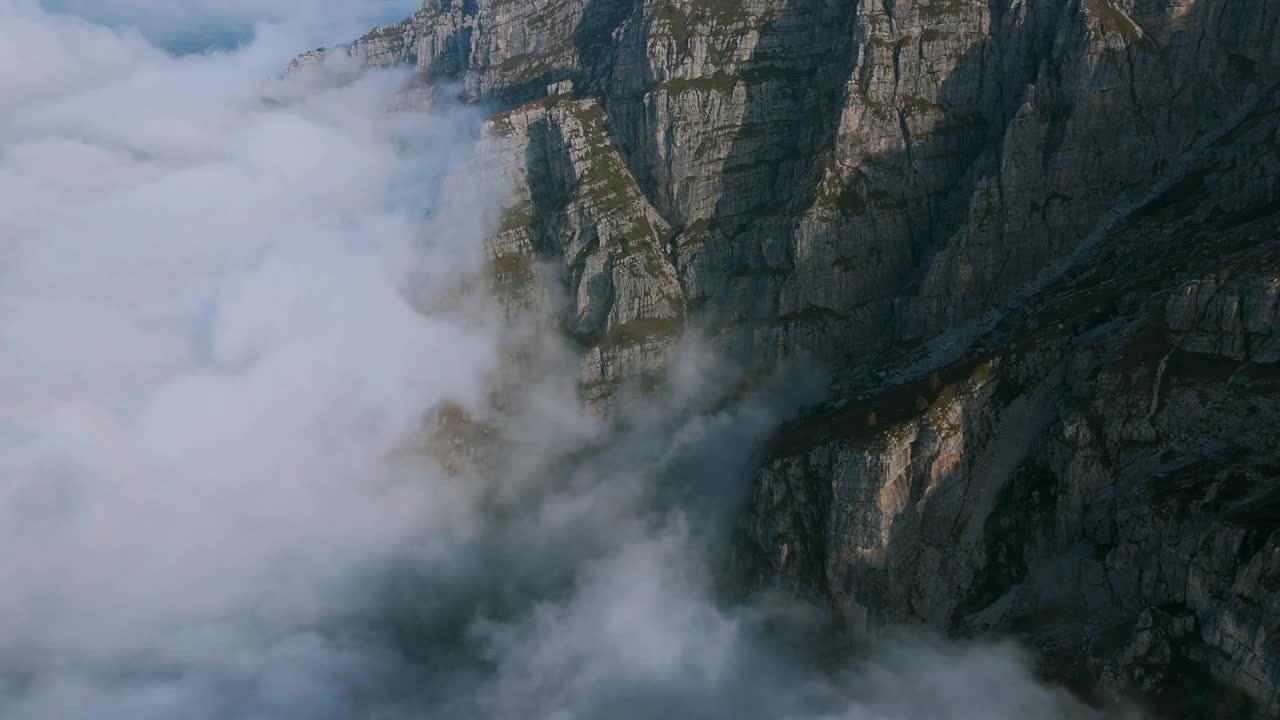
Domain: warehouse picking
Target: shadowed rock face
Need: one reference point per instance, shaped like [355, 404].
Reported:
[1100, 462]
[1037, 242]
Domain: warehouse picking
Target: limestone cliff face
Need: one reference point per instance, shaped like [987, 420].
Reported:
[580, 242]
[1036, 241]
[837, 175]
[1099, 472]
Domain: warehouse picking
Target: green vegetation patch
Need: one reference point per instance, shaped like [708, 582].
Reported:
[942, 9]
[1114, 19]
[882, 111]
[517, 217]
[640, 331]
[501, 124]
[608, 184]
[916, 105]
[513, 270]
[723, 83]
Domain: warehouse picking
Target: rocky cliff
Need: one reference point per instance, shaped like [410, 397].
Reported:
[1036, 242]
[1097, 472]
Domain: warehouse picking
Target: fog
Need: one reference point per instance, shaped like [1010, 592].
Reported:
[233, 309]
[194, 25]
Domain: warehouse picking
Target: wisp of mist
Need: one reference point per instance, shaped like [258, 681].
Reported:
[231, 303]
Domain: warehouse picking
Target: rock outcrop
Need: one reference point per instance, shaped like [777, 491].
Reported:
[1099, 472]
[1035, 241]
[578, 223]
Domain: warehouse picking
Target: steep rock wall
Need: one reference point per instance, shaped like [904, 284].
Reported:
[1036, 242]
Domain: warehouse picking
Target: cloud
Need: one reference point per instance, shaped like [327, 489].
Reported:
[211, 362]
[192, 25]
[232, 305]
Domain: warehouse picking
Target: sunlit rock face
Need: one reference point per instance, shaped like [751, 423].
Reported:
[1035, 243]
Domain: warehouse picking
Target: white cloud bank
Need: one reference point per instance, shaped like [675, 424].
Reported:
[212, 371]
[208, 362]
[186, 25]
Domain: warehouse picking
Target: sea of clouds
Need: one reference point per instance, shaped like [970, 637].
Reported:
[230, 304]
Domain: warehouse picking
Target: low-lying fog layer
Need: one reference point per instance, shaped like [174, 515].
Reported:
[223, 322]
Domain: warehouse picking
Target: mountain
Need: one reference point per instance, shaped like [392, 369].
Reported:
[1036, 243]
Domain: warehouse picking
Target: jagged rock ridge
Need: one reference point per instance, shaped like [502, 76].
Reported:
[1036, 241]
